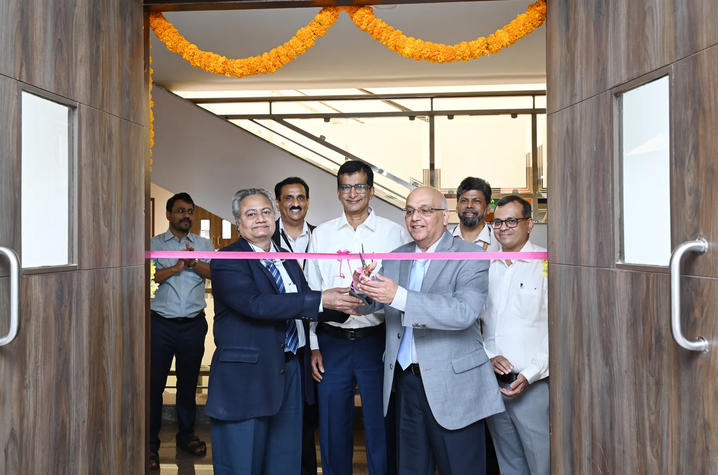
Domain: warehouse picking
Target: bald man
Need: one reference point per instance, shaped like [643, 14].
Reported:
[445, 386]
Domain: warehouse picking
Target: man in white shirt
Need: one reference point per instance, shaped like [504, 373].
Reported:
[350, 354]
[292, 231]
[516, 339]
[473, 197]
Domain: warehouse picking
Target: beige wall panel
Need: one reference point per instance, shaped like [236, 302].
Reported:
[580, 172]
[695, 157]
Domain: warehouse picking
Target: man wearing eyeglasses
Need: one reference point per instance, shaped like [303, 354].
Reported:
[177, 325]
[516, 339]
[434, 358]
[258, 381]
[473, 197]
[349, 354]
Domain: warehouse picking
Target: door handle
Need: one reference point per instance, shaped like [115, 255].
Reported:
[14, 295]
[699, 246]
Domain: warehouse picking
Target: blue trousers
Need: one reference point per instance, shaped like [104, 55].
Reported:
[346, 364]
[425, 445]
[263, 445]
[185, 342]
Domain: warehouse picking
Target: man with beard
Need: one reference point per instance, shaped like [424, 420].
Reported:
[292, 233]
[472, 203]
[178, 325]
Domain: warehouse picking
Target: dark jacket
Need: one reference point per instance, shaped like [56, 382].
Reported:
[246, 379]
[279, 242]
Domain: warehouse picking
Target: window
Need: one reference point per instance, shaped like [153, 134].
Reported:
[645, 174]
[47, 183]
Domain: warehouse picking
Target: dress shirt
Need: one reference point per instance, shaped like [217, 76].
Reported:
[376, 234]
[516, 316]
[289, 288]
[181, 295]
[294, 245]
[485, 236]
[399, 301]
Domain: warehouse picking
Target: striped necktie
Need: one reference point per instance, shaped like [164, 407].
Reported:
[291, 338]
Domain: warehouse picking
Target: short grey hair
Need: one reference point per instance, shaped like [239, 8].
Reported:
[242, 194]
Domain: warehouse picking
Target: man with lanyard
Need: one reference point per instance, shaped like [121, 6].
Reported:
[350, 354]
[292, 233]
[516, 339]
[472, 203]
[178, 325]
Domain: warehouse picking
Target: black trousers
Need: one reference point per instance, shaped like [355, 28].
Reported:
[184, 340]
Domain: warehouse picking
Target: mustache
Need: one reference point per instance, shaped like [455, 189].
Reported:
[295, 208]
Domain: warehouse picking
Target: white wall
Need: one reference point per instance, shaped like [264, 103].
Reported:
[211, 159]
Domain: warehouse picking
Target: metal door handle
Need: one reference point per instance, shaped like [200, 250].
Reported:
[14, 295]
[700, 246]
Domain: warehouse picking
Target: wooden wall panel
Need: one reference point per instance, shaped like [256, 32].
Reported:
[9, 169]
[695, 154]
[112, 311]
[593, 46]
[80, 49]
[580, 172]
[111, 191]
[8, 30]
[575, 40]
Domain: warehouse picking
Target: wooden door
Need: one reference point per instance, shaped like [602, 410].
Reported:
[72, 384]
[625, 398]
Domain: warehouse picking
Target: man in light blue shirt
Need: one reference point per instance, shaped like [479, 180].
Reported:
[178, 325]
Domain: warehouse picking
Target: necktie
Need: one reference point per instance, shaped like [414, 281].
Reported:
[291, 339]
[416, 277]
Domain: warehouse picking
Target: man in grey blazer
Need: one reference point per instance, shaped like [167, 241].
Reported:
[434, 358]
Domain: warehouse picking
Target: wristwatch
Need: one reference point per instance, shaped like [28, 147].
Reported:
[194, 263]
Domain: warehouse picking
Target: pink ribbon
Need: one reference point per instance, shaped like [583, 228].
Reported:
[390, 256]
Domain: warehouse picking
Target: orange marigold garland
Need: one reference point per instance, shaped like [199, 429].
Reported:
[266, 63]
[414, 48]
[152, 114]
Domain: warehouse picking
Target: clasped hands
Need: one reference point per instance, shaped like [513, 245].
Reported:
[502, 365]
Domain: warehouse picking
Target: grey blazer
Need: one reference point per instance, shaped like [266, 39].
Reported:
[458, 379]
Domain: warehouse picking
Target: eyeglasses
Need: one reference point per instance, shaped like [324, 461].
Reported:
[425, 211]
[254, 214]
[510, 222]
[360, 188]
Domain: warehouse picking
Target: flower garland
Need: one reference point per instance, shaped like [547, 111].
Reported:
[266, 63]
[363, 17]
[418, 49]
[152, 114]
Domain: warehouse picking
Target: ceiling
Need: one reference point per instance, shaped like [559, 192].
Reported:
[348, 57]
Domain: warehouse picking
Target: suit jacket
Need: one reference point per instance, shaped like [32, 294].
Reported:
[457, 376]
[246, 379]
[277, 237]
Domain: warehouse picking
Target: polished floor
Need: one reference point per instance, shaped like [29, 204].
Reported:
[177, 462]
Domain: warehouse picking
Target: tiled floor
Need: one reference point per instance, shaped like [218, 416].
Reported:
[177, 462]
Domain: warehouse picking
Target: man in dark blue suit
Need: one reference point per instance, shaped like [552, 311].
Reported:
[259, 377]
